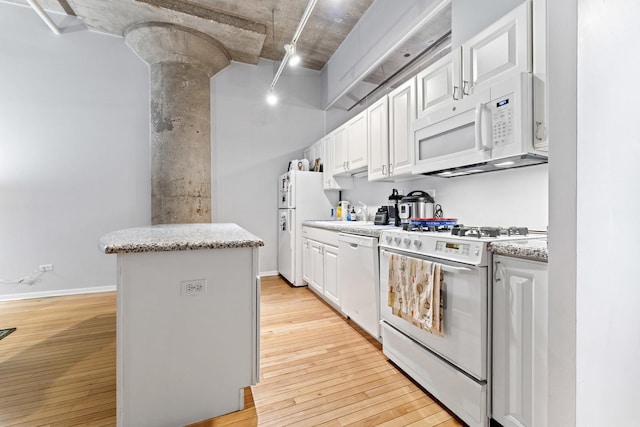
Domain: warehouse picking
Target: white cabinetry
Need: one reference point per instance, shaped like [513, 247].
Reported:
[320, 267]
[350, 146]
[378, 120]
[329, 180]
[331, 288]
[390, 142]
[436, 85]
[402, 112]
[313, 152]
[520, 327]
[502, 49]
[339, 149]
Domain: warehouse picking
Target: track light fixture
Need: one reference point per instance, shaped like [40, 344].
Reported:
[290, 55]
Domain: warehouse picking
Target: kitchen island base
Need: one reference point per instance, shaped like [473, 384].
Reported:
[187, 321]
[185, 356]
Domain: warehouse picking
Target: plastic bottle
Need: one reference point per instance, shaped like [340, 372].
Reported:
[339, 212]
[352, 215]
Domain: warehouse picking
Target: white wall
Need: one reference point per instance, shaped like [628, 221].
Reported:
[253, 142]
[511, 197]
[608, 152]
[74, 156]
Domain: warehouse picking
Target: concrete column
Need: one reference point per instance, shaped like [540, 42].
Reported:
[182, 62]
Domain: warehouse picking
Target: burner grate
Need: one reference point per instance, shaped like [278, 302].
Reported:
[487, 232]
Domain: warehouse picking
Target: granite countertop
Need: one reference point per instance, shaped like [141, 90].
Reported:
[362, 228]
[178, 237]
[534, 249]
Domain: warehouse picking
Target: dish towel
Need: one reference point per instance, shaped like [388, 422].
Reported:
[416, 291]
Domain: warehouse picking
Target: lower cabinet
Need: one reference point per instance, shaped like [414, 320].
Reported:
[320, 269]
[520, 344]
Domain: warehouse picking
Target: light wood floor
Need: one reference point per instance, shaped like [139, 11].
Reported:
[58, 368]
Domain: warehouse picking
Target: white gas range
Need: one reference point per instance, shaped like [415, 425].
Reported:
[453, 367]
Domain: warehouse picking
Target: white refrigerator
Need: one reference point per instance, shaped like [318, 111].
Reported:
[300, 198]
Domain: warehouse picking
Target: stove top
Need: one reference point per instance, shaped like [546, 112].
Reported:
[459, 243]
[472, 231]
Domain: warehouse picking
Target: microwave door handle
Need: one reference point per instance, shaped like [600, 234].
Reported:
[479, 128]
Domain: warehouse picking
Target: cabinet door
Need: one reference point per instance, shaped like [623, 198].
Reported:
[377, 121]
[340, 150]
[317, 267]
[519, 342]
[331, 288]
[438, 83]
[402, 113]
[306, 261]
[501, 50]
[357, 142]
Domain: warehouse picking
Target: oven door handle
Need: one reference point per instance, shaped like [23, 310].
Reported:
[445, 267]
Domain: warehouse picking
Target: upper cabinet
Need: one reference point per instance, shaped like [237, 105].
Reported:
[350, 146]
[402, 113]
[329, 180]
[378, 121]
[436, 84]
[504, 48]
[390, 142]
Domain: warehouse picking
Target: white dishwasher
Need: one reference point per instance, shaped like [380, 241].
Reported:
[358, 268]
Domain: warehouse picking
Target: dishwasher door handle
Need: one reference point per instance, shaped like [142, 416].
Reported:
[353, 245]
[452, 269]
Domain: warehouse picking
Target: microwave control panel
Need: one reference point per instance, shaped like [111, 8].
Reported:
[502, 119]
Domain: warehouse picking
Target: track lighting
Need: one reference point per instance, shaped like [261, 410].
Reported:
[290, 55]
[294, 59]
[272, 99]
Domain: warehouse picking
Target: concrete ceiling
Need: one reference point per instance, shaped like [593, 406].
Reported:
[249, 29]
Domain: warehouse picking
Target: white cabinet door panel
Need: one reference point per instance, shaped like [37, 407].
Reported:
[402, 113]
[501, 50]
[331, 285]
[520, 291]
[377, 121]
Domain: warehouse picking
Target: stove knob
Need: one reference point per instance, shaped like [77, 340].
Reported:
[396, 240]
[389, 238]
[417, 243]
[407, 241]
[477, 251]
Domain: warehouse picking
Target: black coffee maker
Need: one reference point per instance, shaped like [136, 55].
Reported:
[392, 208]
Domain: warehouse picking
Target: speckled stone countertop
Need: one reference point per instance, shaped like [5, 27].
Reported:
[361, 228]
[178, 237]
[534, 249]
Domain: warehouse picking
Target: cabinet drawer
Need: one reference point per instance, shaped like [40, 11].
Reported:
[320, 235]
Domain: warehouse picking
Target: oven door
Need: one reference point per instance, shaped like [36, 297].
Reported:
[464, 343]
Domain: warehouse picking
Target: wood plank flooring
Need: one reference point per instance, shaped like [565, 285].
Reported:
[58, 368]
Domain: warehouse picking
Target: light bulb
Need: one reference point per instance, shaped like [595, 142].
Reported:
[272, 99]
[294, 60]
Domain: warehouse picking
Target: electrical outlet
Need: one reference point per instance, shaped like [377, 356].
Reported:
[46, 267]
[193, 287]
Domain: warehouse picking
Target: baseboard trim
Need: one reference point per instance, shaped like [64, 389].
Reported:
[57, 293]
[268, 273]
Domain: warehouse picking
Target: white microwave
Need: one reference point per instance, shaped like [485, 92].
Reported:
[489, 130]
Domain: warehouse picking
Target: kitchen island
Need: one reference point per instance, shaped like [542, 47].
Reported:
[187, 329]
